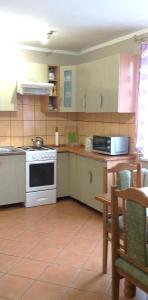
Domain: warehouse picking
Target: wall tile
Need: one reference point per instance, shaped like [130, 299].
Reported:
[28, 112]
[17, 128]
[29, 100]
[40, 128]
[5, 128]
[61, 126]
[17, 141]
[107, 118]
[123, 129]
[50, 127]
[29, 128]
[114, 129]
[27, 141]
[4, 115]
[5, 141]
[17, 115]
[99, 128]
[38, 114]
[106, 128]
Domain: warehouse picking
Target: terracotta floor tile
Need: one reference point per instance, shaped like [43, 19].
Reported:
[92, 281]
[56, 241]
[54, 252]
[44, 291]
[13, 286]
[17, 248]
[46, 254]
[93, 263]
[60, 274]
[81, 245]
[71, 259]
[74, 294]
[28, 268]
[6, 262]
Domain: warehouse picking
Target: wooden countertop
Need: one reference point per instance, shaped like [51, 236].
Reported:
[90, 154]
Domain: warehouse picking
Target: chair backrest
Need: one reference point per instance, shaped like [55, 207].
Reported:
[123, 175]
[135, 250]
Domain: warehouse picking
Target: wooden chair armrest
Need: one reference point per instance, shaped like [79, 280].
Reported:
[104, 198]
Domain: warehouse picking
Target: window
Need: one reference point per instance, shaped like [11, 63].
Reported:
[142, 120]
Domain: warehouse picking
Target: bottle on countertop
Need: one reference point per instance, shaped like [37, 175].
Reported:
[56, 137]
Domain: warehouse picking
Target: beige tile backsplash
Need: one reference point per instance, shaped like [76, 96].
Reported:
[18, 128]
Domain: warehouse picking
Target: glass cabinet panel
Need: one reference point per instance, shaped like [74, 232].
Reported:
[68, 88]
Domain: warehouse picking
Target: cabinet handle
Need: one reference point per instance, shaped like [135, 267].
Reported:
[90, 177]
[100, 101]
[84, 102]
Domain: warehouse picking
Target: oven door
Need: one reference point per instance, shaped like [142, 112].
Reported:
[40, 175]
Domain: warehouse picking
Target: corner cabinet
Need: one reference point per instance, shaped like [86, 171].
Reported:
[68, 88]
[108, 84]
[51, 103]
[86, 180]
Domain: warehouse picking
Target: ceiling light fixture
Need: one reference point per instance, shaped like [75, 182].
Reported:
[47, 36]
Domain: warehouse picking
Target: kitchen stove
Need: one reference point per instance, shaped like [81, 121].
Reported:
[40, 175]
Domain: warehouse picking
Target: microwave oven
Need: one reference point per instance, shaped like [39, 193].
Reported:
[111, 145]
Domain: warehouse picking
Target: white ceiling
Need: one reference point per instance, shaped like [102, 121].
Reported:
[78, 24]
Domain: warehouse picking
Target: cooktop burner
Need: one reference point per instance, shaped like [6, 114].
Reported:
[31, 148]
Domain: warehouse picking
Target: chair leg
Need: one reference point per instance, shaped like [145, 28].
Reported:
[105, 250]
[129, 289]
[115, 285]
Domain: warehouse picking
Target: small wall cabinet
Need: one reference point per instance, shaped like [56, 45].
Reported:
[68, 88]
[51, 103]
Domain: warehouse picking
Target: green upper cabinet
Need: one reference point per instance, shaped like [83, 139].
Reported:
[108, 84]
[68, 88]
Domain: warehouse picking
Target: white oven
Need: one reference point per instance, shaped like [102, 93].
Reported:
[40, 176]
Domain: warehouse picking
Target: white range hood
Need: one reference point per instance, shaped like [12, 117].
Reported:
[34, 88]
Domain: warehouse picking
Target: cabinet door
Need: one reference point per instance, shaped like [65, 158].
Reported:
[12, 174]
[94, 89]
[109, 83]
[8, 95]
[73, 176]
[68, 88]
[62, 175]
[82, 86]
[32, 72]
[91, 181]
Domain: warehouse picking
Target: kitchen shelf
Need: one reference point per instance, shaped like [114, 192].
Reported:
[51, 103]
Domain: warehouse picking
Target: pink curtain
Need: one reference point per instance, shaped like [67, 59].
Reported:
[142, 120]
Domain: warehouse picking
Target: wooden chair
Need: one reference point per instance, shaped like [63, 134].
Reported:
[131, 262]
[123, 175]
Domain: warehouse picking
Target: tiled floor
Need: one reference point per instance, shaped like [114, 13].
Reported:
[53, 252]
